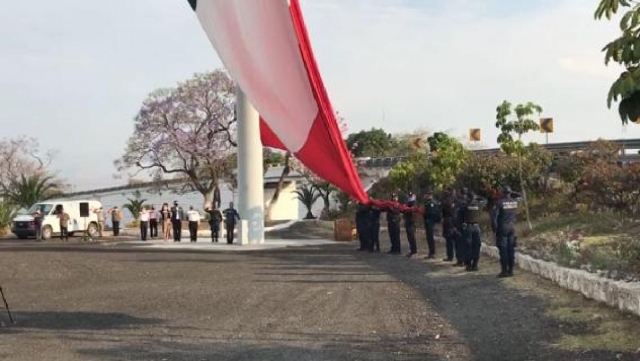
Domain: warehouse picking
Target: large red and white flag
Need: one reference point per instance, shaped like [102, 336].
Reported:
[266, 49]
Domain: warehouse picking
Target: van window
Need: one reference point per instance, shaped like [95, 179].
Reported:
[44, 208]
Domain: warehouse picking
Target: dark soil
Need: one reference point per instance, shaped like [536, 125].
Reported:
[97, 302]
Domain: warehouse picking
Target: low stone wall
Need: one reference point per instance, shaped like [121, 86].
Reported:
[620, 294]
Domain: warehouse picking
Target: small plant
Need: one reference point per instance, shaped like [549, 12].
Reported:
[135, 204]
[308, 195]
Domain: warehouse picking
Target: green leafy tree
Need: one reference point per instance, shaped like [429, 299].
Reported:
[370, 143]
[272, 158]
[511, 131]
[624, 50]
[448, 158]
[135, 204]
[26, 190]
[7, 212]
[308, 195]
[403, 175]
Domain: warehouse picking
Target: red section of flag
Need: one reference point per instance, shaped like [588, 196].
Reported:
[325, 152]
[269, 138]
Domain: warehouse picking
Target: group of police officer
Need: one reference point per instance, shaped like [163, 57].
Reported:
[459, 213]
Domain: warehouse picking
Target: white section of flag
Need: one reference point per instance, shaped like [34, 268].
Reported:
[257, 43]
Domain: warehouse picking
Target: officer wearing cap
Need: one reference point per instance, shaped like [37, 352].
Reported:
[505, 218]
[431, 216]
[449, 231]
[470, 223]
[393, 224]
[410, 226]
[460, 241]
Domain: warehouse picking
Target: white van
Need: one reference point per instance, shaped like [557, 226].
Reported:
[23, 226]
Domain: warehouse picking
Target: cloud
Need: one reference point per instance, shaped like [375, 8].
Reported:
[588, 67]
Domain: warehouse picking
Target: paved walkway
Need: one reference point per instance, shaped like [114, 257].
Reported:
[205, 245]
[319, 302]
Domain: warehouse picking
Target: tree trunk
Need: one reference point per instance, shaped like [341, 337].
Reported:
[208, 199]
[327, 204]
[279, 186]
[309, 215]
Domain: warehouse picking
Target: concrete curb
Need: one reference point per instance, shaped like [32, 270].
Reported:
[623, 295]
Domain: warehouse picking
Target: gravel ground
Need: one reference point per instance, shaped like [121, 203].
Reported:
[96, 302]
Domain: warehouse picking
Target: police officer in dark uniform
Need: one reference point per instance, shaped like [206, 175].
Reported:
[431, 216]
[410, 226]
[506, 214]
[362, 226]
[374, 221]
[460, 241]
[470, 222]
[393, 223]
[449, 231]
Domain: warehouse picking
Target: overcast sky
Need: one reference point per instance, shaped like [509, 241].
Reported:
[73, 73]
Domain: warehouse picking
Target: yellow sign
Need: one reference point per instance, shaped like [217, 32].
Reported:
[475, 135]
[417, 143]
[546, 125]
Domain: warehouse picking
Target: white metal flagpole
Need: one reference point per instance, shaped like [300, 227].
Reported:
[250, 172]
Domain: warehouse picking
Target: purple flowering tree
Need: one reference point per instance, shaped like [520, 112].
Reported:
[186, 132]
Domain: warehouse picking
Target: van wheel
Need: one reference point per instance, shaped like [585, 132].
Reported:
[47, 232]
[92, 230]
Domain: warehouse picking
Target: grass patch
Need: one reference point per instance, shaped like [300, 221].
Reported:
[608, 337]
[583, 324]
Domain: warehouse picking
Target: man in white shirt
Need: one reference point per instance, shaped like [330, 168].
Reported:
[194, 221]
[144, 223]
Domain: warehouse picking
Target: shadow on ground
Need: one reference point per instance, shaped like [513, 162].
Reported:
[246, 351]
[499, 321]
[74, 321]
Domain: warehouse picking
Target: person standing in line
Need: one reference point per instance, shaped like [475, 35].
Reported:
[64, 223]
[144, 223]
[194, 222]
[362, 226]
[506, 217]
[410, 226]
[37, 222]
[165, 215]
[153, 222]
[215, 218]
[393, 223]
[176, 220]
[100, 216]
[116, 217]
[231, 218]
[374, 220]
[431, 216]
[449, 231]
[470, 220]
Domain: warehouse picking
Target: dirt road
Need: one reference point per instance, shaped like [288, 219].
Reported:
[97, 302]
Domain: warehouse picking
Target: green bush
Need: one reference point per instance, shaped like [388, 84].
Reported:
[7, 212]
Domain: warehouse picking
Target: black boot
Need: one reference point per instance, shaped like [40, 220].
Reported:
[474, 265]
